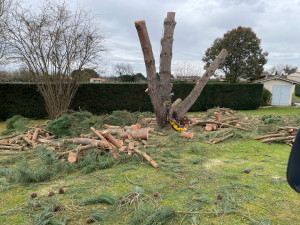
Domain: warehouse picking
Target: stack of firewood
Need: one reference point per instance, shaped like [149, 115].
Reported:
[22, 142]
[104, 140]
[283, 134]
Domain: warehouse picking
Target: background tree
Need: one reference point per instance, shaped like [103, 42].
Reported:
[84, 75]
[51, 44]
[123, 69]
[160, 88]
[245, 57]
[5, 6]
[139, 77]
[186, 69]
[282, 69]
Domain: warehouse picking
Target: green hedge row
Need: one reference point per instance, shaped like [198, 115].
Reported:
[297, 90]
[23, 99]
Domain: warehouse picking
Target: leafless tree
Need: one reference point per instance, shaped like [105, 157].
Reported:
[5, 6]
[160, 89]
[52, 43]
[282, 69]
[186, 69]
[123, 69]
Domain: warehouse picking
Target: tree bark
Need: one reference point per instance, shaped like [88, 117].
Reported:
[153, 89]
[165, 66]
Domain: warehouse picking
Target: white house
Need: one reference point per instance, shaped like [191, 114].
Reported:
[97, 80]
[281, 88]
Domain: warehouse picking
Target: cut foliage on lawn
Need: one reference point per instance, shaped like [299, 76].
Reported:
[217, 176]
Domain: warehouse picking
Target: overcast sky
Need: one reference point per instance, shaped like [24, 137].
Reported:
[199, 23]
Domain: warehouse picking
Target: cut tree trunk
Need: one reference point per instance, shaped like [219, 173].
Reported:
[72, 157]
[141, 134]
[160, 89]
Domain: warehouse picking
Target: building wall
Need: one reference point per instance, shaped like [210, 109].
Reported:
[269, 86]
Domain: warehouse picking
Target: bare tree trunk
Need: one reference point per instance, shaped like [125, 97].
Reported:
[150, 69]
[160, 90]
[165, 66]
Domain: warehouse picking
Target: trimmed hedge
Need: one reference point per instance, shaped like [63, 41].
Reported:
[23, 99]
[297, 90]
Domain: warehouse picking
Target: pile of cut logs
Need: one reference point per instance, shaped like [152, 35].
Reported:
[133, 136]
[284, 134]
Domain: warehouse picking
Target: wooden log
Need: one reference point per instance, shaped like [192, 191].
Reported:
[141, 134]
[49, 137]
[113, 154]
[278, 139]
[287, 128]
[290, 130]
[225, 125]
[147, 157]
[100, 136]
[218, 116]
[83, 149]
[11, 147]
[109, 137]
[131, 145]
[50, 142]
[72, 157]
[269, 136]
[188, 135]
[123, 134]
[35, 135]
[8, 153]
[90, 136]
[144, 142]
[122, 149]
[60, 154]
[11, 136]
[136, 126]
[209, 127]
[153, 123]
[87, 141]
[8, 144]
[27, 140]
[222, 139]
[107, 126]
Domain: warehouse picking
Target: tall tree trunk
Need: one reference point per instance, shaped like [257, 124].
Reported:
[165, 66]
[153, 88]
[160, 90]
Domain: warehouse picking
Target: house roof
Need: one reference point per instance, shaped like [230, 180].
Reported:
[283, 78]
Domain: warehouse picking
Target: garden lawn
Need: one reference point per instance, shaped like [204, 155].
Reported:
[202, 183]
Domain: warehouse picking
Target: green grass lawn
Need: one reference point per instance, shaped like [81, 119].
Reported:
[296, 97]
[273, 110]
[191, 174]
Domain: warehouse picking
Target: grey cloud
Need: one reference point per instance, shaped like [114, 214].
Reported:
[199, 23]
